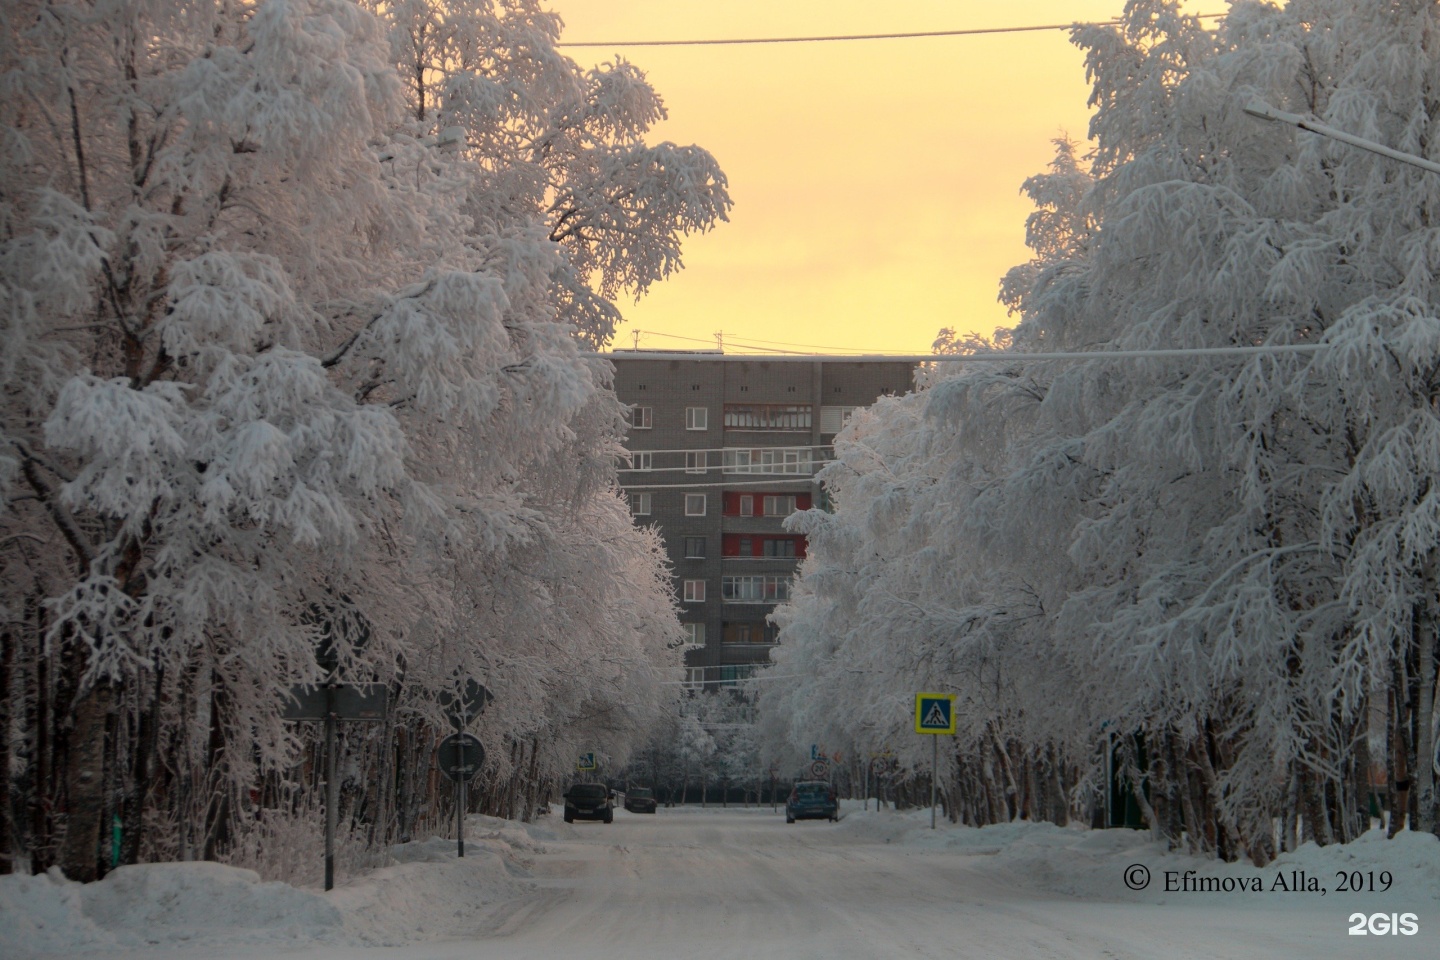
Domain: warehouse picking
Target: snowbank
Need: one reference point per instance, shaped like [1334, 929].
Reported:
[427, 894]
[1089, 864]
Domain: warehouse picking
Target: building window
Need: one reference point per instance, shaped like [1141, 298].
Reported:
[741, 632]
[779, 506]
[745, 546]
[778, 548]
[730, 674]
[641, 418]
[694, 678]
[747, 506]
[755, 589]
[640, 504]
[784, 460]
[749, 633]
[767, 416]
[695, 504]
[695, 548]
[833, 419]
[642, 461]
[696, 461]
[695, 634]
[696, 418]
[694, 591]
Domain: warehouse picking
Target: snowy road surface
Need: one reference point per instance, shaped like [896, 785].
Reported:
[710, 883]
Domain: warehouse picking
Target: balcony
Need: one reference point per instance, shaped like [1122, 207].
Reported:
[734, 524]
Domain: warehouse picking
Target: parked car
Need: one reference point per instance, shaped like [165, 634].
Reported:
[812, 800]
[589, 801]
[639, 800]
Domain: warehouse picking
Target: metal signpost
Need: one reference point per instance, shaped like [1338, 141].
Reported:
[934, 714]
[331, 702]
[460, 756]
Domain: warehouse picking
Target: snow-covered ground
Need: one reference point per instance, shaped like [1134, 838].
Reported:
[739, 882]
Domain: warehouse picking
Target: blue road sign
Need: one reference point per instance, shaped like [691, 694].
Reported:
[934, 713]
[587, 761]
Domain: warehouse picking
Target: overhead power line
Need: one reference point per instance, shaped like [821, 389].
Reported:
[1003, 356]
[734, 41]
[751, 343]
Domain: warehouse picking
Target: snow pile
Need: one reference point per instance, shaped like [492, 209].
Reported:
[158, 904]
[428, 894]
[1090, 864]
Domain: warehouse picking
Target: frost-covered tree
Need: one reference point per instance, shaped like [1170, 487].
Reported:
[280, 363]
[1222, 570]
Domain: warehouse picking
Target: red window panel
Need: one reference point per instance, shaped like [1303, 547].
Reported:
[730, 545]
[730, 501]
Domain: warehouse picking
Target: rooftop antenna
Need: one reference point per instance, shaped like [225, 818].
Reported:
[636, 335]
[720, 340]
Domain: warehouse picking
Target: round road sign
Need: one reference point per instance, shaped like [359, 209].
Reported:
[460, 756]
[819, 769]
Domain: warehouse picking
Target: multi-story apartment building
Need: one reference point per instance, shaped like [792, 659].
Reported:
[723, 449]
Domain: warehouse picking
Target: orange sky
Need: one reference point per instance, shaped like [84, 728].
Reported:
[876, 183]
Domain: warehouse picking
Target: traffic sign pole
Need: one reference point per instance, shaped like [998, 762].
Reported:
[331, 787]
[934, 714]
[460, 815]
[934, 767]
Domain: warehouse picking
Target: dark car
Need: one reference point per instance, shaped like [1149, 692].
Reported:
[589, 801]
[639, 800]
[812, 800]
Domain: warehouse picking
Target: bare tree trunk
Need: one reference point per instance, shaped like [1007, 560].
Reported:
[42, 824]
[1061, 813]
[1399, 750]
[8, 642]
[1012, 789]
[1317, 820]
[1425, 714]
[1195, 834]
[84, 787]
[1289, 817]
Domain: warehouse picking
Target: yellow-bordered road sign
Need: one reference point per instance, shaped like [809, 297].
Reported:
[934, 713]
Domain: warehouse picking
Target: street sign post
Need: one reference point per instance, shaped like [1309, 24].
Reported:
[935, 715]
[329, 703]
[460, 756]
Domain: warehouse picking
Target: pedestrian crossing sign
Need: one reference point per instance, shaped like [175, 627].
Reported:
[587, 762]
[934, 713]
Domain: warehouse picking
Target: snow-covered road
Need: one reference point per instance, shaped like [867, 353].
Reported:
[743, 884]
[740, 883]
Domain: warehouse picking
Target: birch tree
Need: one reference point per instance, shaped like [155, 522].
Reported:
[278, 363]
[1221, 571]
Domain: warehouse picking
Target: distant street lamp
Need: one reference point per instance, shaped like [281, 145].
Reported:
[1264, 111]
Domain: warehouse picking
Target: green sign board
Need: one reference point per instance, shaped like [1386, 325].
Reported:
[934, 713]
